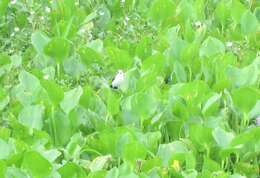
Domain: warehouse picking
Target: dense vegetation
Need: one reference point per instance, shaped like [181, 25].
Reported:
[188, 103]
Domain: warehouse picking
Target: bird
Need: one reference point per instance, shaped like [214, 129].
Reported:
[118, 79]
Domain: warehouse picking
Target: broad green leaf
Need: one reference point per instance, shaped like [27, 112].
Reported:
[257, 13]
[5, 150]
[62, 127]
[222, 12]
[89, 56]
[222, 137]
[58, 49]
[32, 116]
[134, 151]
[246, 76]
[55, 92]
[249, 23]
[39, 41]
[13, 172]
[167, 151]
[4, 59]
[248, 138]
[145, 103]
[237, 10]
[90, 100]
[180, 72]
[36, 164]
[70, 170]
[255, 111]
[111, 99]
[4, 98]
[201, 136]
[245, 98]
[120, 58]
[161, 9]
[3, 7]
[143, 48]
[185, 10]
[29, 82]
[2, 168]
[154, 64]
[211, 47]
[99, 163]
[211, 104]
[71, 99]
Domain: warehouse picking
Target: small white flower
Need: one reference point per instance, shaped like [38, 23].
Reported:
[229, 44]
[12, 34]
[258, 120]
[101, 13]
[47, 9]
[82, 30]
[32, 12]
[122, 1]
[16, 29]
[119, 78]
[46, 77]
[13, 2]
[198, 24]
[125, 23]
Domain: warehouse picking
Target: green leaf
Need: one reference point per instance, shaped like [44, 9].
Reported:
[119, 58]
[245, 98]
[70, 170]
[255, 111]
[2, 168]
[63, 127]
[249, 23]
[32, 116]
[13, 172]
[134, 151]
[180, 72]
[211, 104]
[246, 76]
[5, 150]
[71, 99]
[3, 7]
[222, 137]
[237, 10]
[99, 163]
[55, 92]
[111, 99]
[167, 151]
[89, 56]
[4, 98]
[211, 47]
[29, 82]
[58, 48]
[222, 12]
[160, 10]
[4, 59]
[39, 41]
[36, 164]
[200, 135]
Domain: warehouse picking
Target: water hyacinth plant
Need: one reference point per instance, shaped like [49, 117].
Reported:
[129, 88]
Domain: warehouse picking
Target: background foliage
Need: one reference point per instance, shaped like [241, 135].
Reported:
[188, 106]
